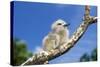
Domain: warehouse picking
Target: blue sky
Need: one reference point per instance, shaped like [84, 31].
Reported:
[32, 21]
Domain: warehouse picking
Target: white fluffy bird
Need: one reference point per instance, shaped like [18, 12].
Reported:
[59, 35]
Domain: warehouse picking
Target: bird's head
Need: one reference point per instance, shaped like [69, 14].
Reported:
[59, 25]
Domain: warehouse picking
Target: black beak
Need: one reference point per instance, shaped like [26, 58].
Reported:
[66, 25]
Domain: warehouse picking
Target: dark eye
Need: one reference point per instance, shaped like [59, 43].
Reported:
[59, 24]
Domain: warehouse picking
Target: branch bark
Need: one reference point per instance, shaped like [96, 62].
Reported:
[42, 58]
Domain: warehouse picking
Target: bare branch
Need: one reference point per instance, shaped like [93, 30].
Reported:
[42, 58]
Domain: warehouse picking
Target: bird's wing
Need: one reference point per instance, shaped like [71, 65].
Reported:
[50, 42]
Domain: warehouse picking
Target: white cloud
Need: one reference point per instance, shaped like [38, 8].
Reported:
[38, 49]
